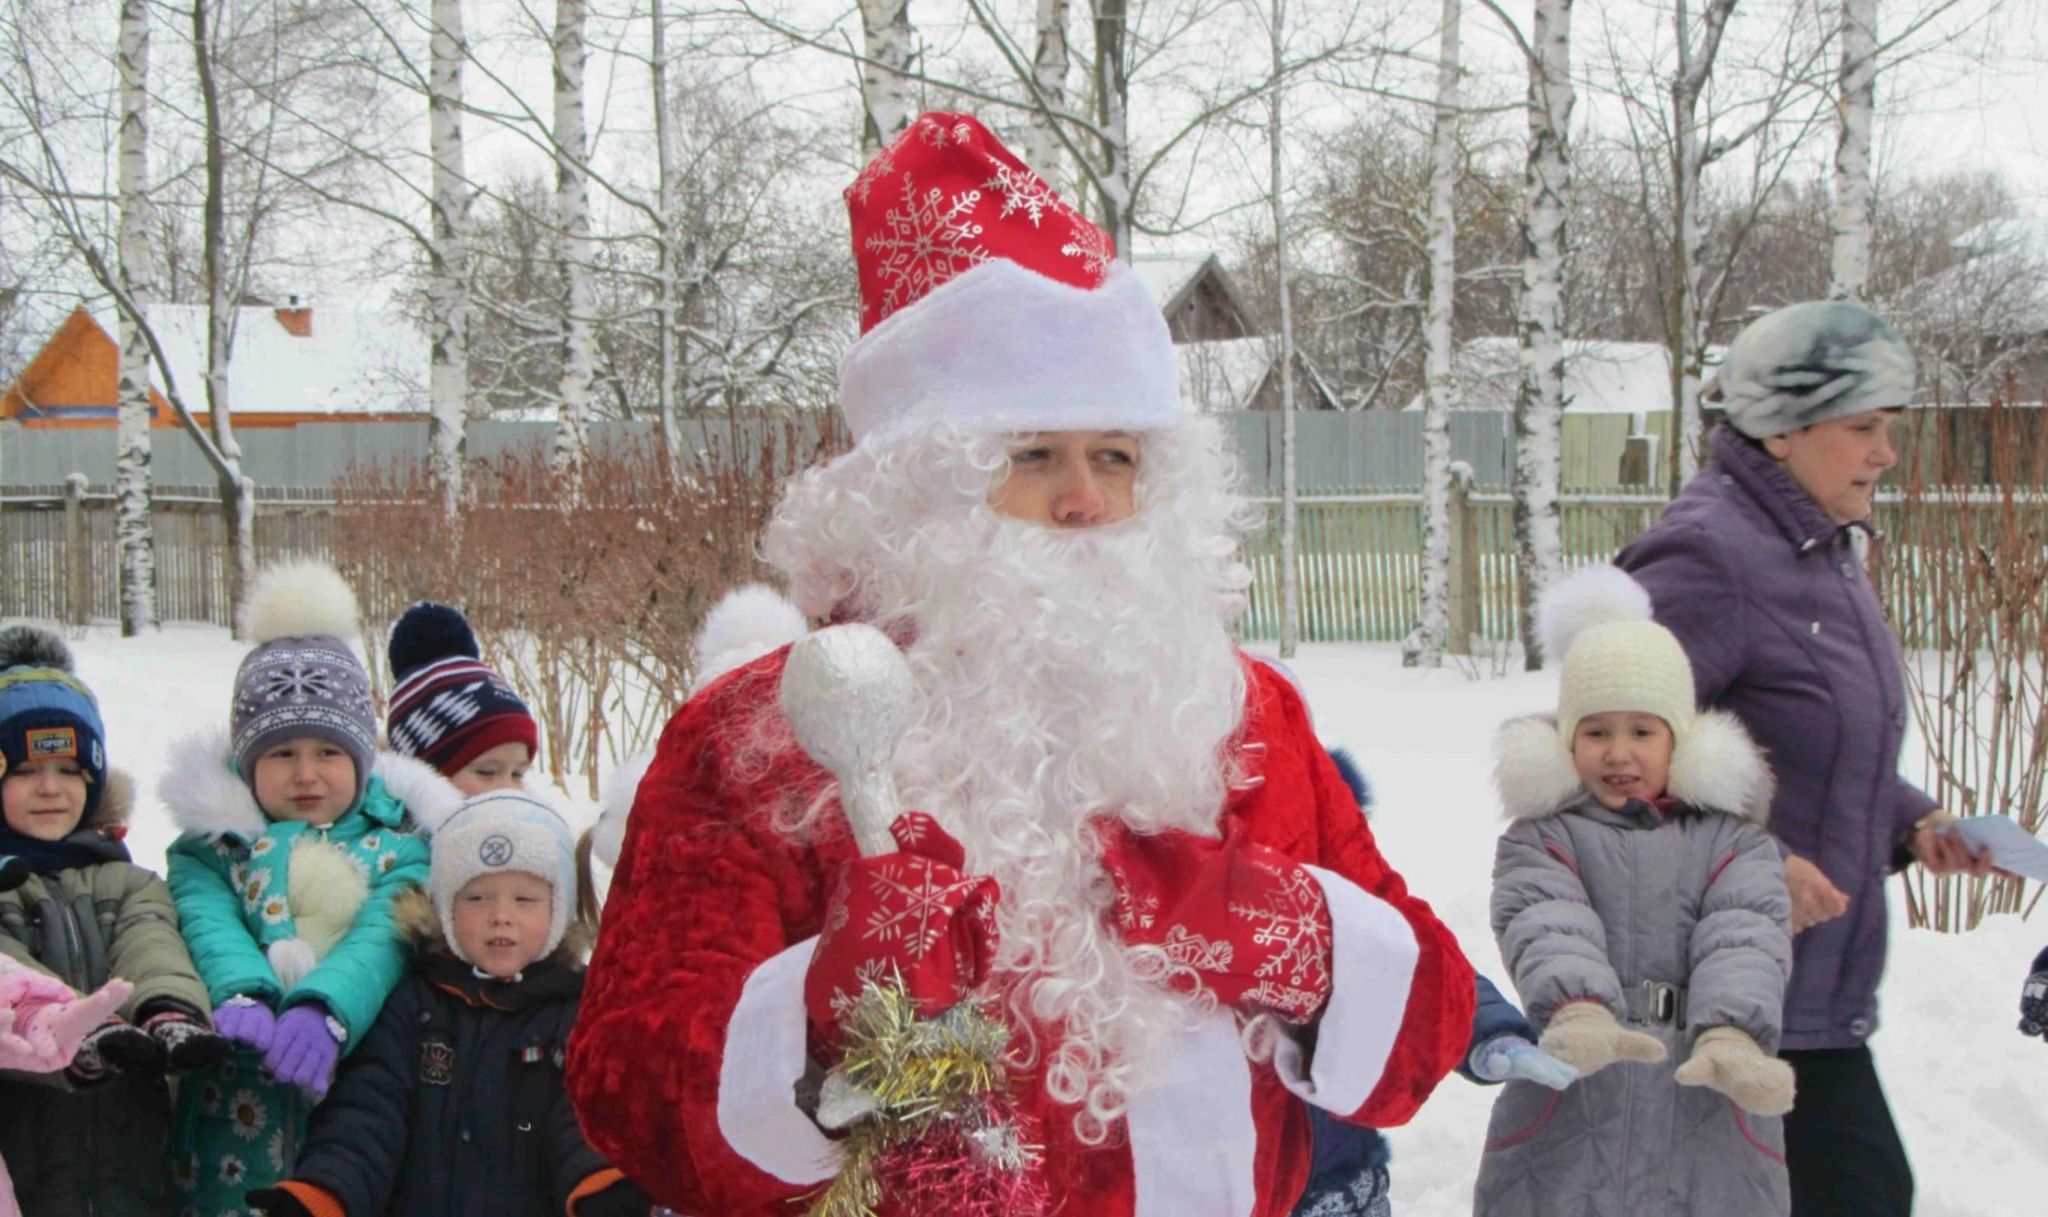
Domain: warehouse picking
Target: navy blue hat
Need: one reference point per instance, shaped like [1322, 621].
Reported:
[46, 712]
[447, 706]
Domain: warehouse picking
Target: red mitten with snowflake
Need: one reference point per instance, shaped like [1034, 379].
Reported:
[1248, 923]
[911, 916]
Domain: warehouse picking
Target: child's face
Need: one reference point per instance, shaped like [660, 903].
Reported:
[305, 779]
[502, 768]
[1622, 756]
[44, 800]
[502, 920]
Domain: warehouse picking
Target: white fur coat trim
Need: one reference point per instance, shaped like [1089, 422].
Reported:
[615, 800]
[1716, 765]
[204, 795]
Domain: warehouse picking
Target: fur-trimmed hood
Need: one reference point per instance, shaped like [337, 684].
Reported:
[1715, 767]
[207, 797]
[412, 911]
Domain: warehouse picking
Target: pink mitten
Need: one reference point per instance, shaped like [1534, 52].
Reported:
[42, 1020]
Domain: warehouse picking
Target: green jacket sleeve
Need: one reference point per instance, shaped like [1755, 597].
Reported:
[148, 952]
[226, 953]
[14, 948]
[362, 969]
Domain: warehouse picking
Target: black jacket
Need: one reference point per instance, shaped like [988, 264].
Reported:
[453, 1105]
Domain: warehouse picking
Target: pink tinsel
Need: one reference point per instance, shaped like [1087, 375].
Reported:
[945, 1173]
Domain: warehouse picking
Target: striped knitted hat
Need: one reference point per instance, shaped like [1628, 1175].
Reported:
[448, 706]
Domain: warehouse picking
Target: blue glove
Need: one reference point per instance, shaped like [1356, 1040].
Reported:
[1510, 1057]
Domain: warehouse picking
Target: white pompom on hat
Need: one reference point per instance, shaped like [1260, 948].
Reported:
[302, 679]
[1616, 659]
[746, 623]
[499, 831]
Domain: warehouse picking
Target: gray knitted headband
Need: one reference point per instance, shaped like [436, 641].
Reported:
[1807, 363]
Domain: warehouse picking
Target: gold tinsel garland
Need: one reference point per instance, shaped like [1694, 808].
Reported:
[943, 1125]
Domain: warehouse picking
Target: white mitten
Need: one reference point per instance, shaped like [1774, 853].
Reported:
[1726, 1059]
[1587, 1036]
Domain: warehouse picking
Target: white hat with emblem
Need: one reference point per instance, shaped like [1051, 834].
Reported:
[499, 831]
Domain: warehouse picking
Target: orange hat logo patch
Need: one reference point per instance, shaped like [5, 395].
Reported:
[52, 743]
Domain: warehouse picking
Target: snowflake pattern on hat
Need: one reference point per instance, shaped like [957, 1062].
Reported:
[925, 242]
[946, 197]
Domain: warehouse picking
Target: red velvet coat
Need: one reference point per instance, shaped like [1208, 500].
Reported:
[692, 1031]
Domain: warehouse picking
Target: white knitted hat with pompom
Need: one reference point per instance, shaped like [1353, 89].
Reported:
[1616, 659]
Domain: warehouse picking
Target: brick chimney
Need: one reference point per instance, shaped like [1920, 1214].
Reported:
[297, 320]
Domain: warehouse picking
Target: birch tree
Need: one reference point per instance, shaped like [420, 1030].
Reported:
[1688, 162]
[237, 491]
[133, 535]
[1849, 270]
[886, 70]
[1049, 91]
[1276, 194]
[665, 260]
[572, 203]
[1426, 645]
[1539, 401]
[448, 258]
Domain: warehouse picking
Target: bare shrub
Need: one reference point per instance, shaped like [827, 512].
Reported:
[1964, 570]
[586, 604]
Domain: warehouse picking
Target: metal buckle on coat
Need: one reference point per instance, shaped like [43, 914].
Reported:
[1658, 1003]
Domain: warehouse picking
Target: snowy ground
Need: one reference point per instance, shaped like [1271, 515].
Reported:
[1971, 1095]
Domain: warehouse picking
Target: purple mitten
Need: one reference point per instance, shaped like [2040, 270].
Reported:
[304, 1050]
[244, 1020]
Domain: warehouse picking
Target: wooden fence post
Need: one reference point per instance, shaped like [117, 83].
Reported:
[1463, 597]
[77, 552]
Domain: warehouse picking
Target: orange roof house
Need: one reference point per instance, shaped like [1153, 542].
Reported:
[289, 366]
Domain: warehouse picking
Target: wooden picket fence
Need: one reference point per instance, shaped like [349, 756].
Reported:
[59, 562]
[1360, 559]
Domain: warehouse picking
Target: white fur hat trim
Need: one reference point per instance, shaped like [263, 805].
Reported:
[1001, 348]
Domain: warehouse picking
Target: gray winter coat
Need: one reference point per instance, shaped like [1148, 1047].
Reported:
[1784, 630]
[1676, 922]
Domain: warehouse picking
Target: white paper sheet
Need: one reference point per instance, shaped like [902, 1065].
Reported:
[2011, 848]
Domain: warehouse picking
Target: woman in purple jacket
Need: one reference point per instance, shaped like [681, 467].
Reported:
[1757, 568]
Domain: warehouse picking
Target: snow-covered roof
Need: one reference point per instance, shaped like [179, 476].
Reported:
[1998, 289]
[353, 361]
[1167, 275]
[1225, 374]
[1600, 377]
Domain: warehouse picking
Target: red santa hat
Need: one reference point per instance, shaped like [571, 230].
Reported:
[989, 301]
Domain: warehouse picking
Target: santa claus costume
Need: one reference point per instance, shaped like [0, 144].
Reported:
[1134, 850]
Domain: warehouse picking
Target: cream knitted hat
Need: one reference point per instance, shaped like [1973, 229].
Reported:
[1615, 657]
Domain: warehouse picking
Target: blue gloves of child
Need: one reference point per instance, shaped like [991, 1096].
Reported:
[1510, 1057]
[300, 1047]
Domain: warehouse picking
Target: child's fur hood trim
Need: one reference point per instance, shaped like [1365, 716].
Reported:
[412, 911]
[117, 801]
[206, 797]
[1716, 767]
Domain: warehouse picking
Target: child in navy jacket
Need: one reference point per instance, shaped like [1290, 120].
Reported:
[453, 1105]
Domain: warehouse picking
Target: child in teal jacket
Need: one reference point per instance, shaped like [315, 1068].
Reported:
[296, 840]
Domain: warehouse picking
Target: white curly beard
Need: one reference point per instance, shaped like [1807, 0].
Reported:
[1062, 675]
